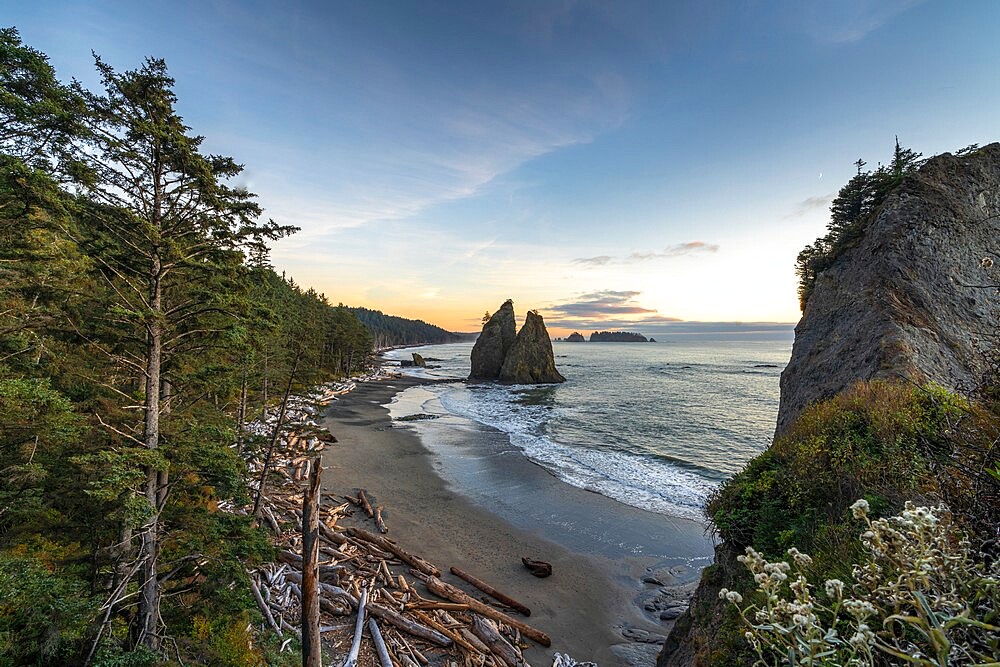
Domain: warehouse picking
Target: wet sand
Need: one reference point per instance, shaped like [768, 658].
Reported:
[472, 501]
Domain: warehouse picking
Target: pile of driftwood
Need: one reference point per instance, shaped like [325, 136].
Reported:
[349, 584]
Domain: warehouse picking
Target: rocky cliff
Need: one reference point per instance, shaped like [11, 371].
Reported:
[905, 302]
[493, 343]
[524, 357]
[530, 359]
[910, 301]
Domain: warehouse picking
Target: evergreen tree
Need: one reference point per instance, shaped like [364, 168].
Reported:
[164, 221]
[850, 212]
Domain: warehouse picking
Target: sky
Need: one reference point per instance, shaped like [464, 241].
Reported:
[615, 165]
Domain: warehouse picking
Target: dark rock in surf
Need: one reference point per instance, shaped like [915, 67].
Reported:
[539, 568]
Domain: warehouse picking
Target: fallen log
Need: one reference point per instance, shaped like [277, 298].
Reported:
[449, 592]
[330, 534]
[451, 622]
[492, 592]
[380, 647]
[409, 626]
[385, 543]
[365, 504]
[490, 635]
[359, 627]
[448, 632]
[263, 607]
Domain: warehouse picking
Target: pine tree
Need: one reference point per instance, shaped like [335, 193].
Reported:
[164, 221]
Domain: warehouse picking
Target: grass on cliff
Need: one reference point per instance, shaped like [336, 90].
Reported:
[881, 441]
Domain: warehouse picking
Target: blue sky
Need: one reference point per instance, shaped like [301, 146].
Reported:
[611, 164]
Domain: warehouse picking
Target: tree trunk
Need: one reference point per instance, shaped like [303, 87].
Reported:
[312, 650]
[263, 393]
[149, 592]
[241, 415]
[274, 437]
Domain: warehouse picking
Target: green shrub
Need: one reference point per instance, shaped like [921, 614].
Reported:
[44, 613]
[876, 441]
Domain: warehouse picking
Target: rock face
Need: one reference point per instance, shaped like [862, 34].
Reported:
[418, 360]
[902, 303]
[530, 359]
[522, 358]
[576, 337]
[493, 344]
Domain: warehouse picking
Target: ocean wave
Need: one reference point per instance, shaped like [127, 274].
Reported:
[645, 482]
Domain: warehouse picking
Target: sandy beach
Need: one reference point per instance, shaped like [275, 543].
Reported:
[472, 501]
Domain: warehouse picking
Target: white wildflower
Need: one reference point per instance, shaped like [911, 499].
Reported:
[860, 508]
[834, 588]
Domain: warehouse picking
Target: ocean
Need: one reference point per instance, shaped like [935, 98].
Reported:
[656, 426]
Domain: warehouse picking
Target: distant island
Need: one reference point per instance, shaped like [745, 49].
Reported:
[617, 337]
[575, 337]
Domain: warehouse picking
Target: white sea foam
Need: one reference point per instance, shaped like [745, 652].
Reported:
[656, 427]
[640, 481]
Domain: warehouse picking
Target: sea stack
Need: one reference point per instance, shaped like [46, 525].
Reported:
[493, 343]
[907, 300]
[530, 359]
[524, 357]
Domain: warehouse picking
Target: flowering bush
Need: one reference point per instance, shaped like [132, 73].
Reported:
[919, 597]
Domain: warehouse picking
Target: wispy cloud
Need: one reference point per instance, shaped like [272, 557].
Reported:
[604, 309]
[810, 204]
[670, 252]
[600, 260]
[850, 20]
[689, 248]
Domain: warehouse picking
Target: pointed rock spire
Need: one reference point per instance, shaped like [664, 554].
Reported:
[493, 343]
[530, 359]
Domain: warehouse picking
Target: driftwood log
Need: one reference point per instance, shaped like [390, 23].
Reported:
[365, 503]
[359, 628]
[492, 592]
[415, 562]
[490, 635]
[410, 626]
[380, 647]
[449, 592]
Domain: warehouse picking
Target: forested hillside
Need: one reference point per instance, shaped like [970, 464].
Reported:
[141, 326]
[391, 331]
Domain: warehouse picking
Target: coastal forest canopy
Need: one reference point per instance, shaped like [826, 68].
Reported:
[393, 331]
[141, 326]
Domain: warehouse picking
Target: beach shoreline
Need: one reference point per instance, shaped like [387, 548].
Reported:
[458, 507]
